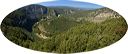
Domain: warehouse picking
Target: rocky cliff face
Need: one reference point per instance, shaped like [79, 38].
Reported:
[102, 14]
[26, 17]
[97, 15]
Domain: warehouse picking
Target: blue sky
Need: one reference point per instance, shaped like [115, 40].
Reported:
[71, 4]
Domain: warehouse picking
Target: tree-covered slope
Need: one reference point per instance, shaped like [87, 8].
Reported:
[90, 36]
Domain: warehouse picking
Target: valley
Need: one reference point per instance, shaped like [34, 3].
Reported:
[63, 29]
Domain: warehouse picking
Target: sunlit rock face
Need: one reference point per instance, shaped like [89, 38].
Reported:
[61, 27]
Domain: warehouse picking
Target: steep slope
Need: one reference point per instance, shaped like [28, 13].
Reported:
[96, 15]
[31, 14]
[57, 24]
[25, 17]
[100, 15]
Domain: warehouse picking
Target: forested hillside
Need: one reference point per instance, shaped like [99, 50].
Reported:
[63, 29]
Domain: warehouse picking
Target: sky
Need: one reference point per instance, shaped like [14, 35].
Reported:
[71, 4]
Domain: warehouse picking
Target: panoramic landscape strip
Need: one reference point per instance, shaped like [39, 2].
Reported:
[58, 27]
